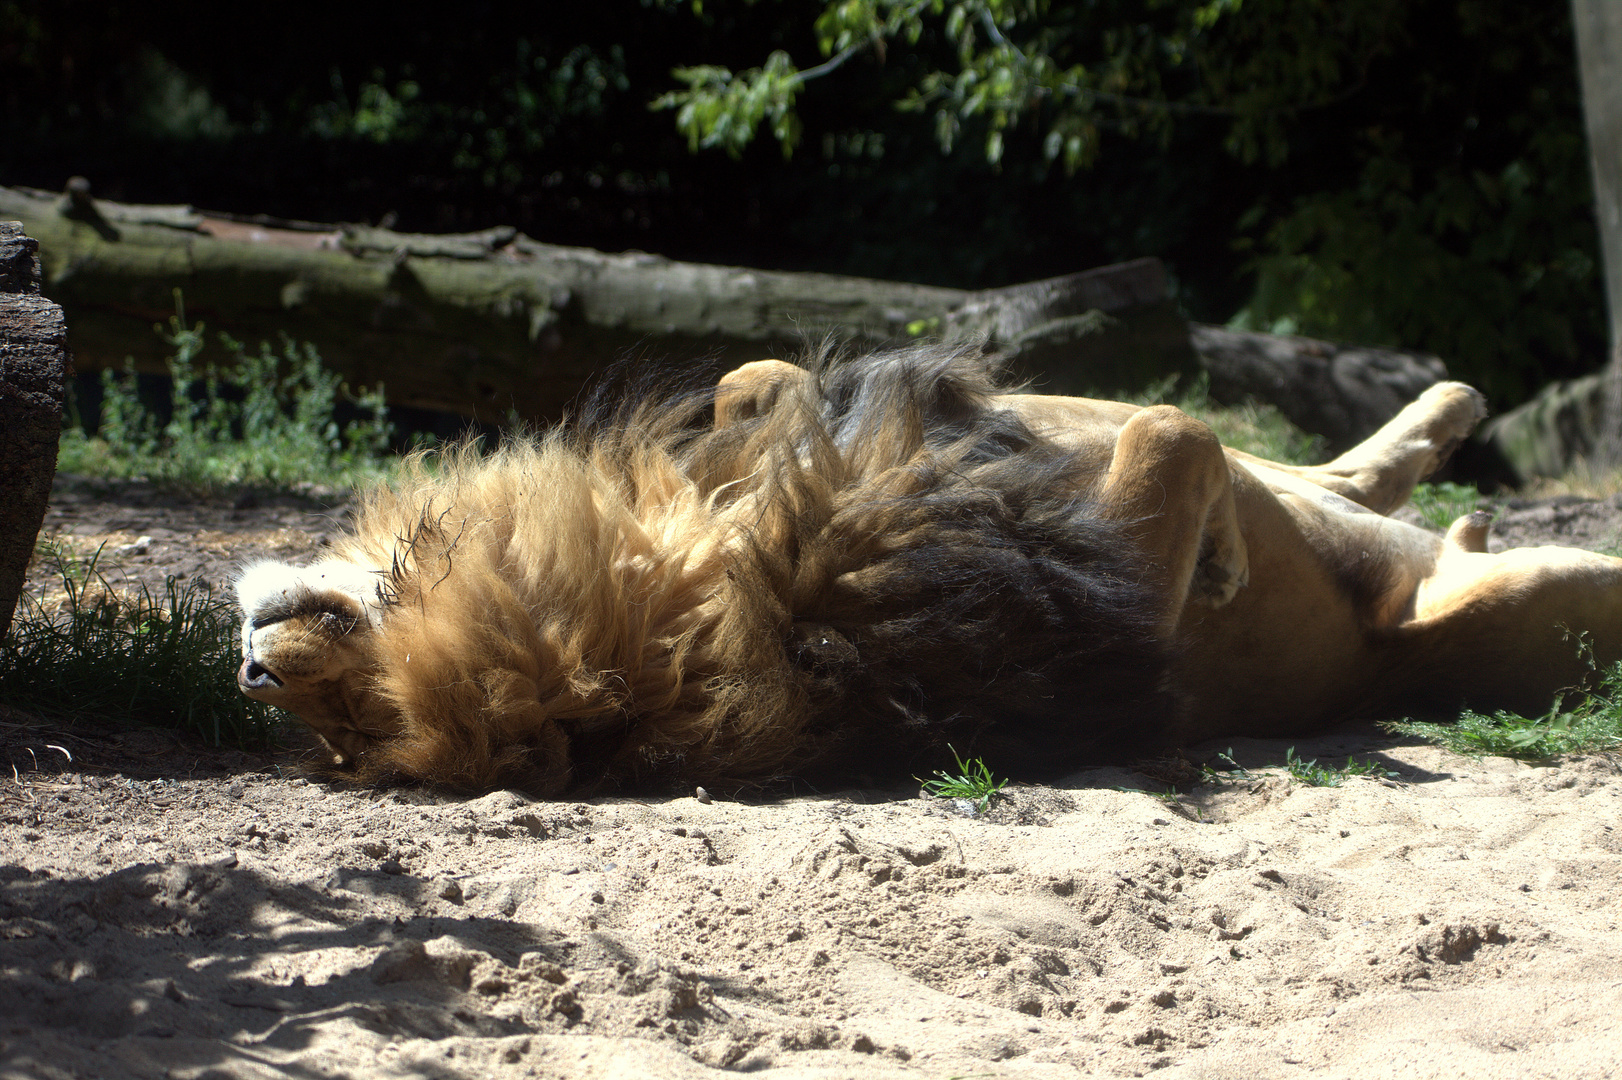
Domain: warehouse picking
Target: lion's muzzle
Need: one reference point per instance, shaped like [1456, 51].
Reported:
[253, 676]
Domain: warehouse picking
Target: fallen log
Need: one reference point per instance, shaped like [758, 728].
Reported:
[494, 322]
[1342, 392]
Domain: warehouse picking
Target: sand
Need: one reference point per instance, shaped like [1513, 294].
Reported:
[171, 910]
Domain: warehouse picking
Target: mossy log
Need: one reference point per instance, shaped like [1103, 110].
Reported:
[491, 323]
[1341, 392]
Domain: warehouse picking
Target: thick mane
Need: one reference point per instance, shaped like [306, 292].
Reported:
[876, 564]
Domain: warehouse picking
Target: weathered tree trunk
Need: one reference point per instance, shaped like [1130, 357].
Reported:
[33, 373]
[1581, 420]
[494, 321]
[1599, 60]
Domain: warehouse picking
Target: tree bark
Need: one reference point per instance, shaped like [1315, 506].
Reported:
[33, 372]
[1580, 420]
[1598, 25]
[1599, 61]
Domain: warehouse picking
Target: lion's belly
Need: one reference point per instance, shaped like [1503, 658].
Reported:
[1305, 641]
[1309, 639]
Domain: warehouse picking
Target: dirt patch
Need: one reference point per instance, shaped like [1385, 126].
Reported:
[171, 910]
[146, 534]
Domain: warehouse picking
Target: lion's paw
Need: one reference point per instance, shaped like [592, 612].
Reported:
[1449, 412]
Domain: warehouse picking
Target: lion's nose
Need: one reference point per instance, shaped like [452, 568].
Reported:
[255, 676]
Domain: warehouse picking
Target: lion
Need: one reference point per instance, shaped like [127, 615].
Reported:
[843, 567]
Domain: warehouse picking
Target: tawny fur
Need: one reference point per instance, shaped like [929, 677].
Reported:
[641, 595]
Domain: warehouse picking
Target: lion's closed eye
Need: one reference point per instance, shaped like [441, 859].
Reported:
[307, 604]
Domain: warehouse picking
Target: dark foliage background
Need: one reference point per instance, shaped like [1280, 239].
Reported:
[1441, 203]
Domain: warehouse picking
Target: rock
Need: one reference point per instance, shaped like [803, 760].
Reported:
[1341, 392]
[34, 367]
[1559, 427]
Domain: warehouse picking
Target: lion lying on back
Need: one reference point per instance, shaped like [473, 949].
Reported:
[852, 565]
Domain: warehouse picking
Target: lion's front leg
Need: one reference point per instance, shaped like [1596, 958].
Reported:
[1169, 484]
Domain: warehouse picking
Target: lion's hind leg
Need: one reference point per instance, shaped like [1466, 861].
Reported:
[1169, 485]
[1380, 472]
[1501, 631]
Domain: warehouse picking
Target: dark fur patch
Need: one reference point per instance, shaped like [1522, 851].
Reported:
[979, 601]
[1364, 574]
[1014, 623]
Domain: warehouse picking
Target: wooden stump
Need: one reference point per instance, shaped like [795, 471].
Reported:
[33, 374]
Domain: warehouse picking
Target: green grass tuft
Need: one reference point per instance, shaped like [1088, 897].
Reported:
[1505, 734]
[1443, 504]
[266, 419]
[1208, 775]
[974, 781]
[1306, 772]
[1315, 775]
[164, 660]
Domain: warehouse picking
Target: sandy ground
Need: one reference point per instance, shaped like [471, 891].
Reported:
[169, 910]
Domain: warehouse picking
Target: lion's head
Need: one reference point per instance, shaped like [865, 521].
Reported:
[307, 647]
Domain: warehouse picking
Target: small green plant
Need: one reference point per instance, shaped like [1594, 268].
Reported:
[1307, 772]
[1443, 504]
[1505, 734]
[974, 781]
[1172, 799]
[265, 419]
[1250, 427]
[1208, 775]
[1592, 724]
[132, 655]
[1315, 775]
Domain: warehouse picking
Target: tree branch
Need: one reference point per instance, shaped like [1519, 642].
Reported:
[830, 65]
